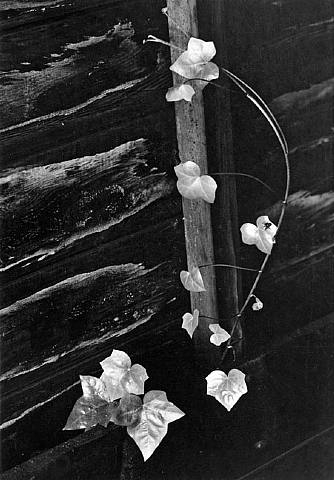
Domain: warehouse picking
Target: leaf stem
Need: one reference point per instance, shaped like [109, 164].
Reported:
[152, 38]
[217, 319]
[237, 174]
[165, 12]
[228, 266]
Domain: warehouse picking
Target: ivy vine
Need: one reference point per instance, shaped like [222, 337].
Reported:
[115, 396]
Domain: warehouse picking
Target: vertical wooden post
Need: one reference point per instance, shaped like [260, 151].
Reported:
[212, 26]
[190, 128]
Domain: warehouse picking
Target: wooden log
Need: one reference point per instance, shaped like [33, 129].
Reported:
[57, 204]
[190, 127]
[79, 60]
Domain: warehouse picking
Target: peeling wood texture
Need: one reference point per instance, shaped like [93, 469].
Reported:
[92, 235]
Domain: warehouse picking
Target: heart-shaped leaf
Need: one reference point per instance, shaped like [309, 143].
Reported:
[262, 235]
[195, 61]
[192, 185]
[180, 92]
[92, 408]
[192, 280]
[156, 413]
[190, 322]
[227, 389]
[120, 377]
[219, 334]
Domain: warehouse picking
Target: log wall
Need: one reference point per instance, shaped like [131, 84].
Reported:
[92, 234]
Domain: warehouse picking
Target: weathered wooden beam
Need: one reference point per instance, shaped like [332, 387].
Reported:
[190, 128]
[213, 26]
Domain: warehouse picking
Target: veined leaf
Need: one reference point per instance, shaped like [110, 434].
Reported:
[120, 377]
[156, 413]
[192, 185]
[195, 61]
[180, 92]
[192, 280]
[227, 389]
[219, 334]
[92, 408]
[128, 411]
[262, 235]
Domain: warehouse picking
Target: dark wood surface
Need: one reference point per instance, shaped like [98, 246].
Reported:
[92, 237]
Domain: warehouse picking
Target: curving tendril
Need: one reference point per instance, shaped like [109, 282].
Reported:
[269, 116]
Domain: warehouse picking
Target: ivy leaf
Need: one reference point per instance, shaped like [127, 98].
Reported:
[227, 389]
[192, 185]
[219, 334]
[128, 411]
[192, 280]
[262, 235]
[156, 413]
[190, 322]
[195, 61]
[257, 305]
[120, 377]
[92, 408]
[180, 92]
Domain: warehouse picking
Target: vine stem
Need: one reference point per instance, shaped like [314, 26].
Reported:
[238, 174]
[269, 116]
[152, 38]
[228, 266]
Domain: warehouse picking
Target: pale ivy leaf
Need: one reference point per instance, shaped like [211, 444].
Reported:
[134, 379]
[92, 408]
[158, 400]
[257, 305]
[180, 92]
[192, 280]
[227, 389]
[128, 411]
[114, 388]
[190, 322]
[192, 185]
[262, 235]
[219, 334]
[88, 412]
[120, 377]
[116, 364]
[208, 71]
[195, 61]
[200, 51]
[92, 386]
[156, 413]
